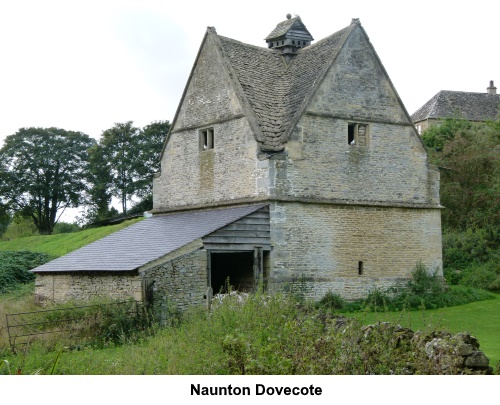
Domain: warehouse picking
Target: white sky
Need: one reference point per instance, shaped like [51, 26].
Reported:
[85, 65]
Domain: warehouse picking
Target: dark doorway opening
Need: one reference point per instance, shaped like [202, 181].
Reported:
[237, 267]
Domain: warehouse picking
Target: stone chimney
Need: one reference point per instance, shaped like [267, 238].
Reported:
[492, 89]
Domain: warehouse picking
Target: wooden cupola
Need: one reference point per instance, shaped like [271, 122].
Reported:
[289, 36]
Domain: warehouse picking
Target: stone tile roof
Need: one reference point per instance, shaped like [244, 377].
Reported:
[471, 106]
[148, 240]
[275, 90]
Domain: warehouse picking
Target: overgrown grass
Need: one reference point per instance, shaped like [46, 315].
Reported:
[268, 335]
[424, 291]
[276, 335]
[61, 244]
[19, 300]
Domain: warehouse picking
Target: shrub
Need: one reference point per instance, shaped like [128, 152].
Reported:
[424, 281]
[65, 227]
[425, 290]
[19, 227]
[15, 266]
[331, 301]
[485, 276]
[462, 249]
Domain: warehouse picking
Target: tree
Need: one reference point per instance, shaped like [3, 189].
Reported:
[43, 171]
[132, 156]
[150, 147]
[5, 218]
[100, 178]
[469, 157]
[118, 148]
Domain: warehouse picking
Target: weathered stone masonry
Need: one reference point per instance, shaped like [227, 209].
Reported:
[326, 243]
[180, 279]
[58, 288]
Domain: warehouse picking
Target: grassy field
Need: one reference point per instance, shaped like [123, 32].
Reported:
[481, 319]
[63, 243]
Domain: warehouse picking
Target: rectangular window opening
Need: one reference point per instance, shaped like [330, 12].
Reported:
[206, 139]
[350, 134]
[357, 134]
[360, 268]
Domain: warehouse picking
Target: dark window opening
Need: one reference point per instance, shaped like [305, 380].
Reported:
[358, 134]
[207, 139]
[235, 268]
[360, 268]
[148, 291]
[350, 134]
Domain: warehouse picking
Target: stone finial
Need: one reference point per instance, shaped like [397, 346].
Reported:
[492, 89]
[288, 16]
[355, 21]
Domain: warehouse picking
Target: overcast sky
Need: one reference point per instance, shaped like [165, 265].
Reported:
[85, 65]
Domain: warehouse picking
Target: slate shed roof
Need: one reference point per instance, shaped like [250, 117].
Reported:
[148, 240]
[471, 106]
[276, 91]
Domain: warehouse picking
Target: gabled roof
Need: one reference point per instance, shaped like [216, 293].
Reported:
[470, 106]
[283, 27]
[148, 240]
[273, 93]
[274, 90]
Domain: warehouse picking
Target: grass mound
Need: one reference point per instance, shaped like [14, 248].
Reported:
[61, 244]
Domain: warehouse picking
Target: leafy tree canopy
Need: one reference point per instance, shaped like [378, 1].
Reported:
[469, 157]
[124, 161]
[43, 171]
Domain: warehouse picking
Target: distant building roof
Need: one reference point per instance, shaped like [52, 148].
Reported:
[470, 106]
[148, 240]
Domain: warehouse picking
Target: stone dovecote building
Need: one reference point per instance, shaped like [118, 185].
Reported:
[291, 164]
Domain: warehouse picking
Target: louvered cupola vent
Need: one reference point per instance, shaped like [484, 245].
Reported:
[289, 36]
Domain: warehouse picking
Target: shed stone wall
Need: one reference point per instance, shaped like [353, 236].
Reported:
[179, 278]
[86, 286]
[324, 244]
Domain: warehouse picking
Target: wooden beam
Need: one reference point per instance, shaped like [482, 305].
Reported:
[258, 265]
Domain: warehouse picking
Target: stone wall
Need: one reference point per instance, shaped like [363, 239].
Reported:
[325, 246]
[84, 286]
[389, 167]
[179, 279]
[357, 86]
[391, 170]
[190, 176]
